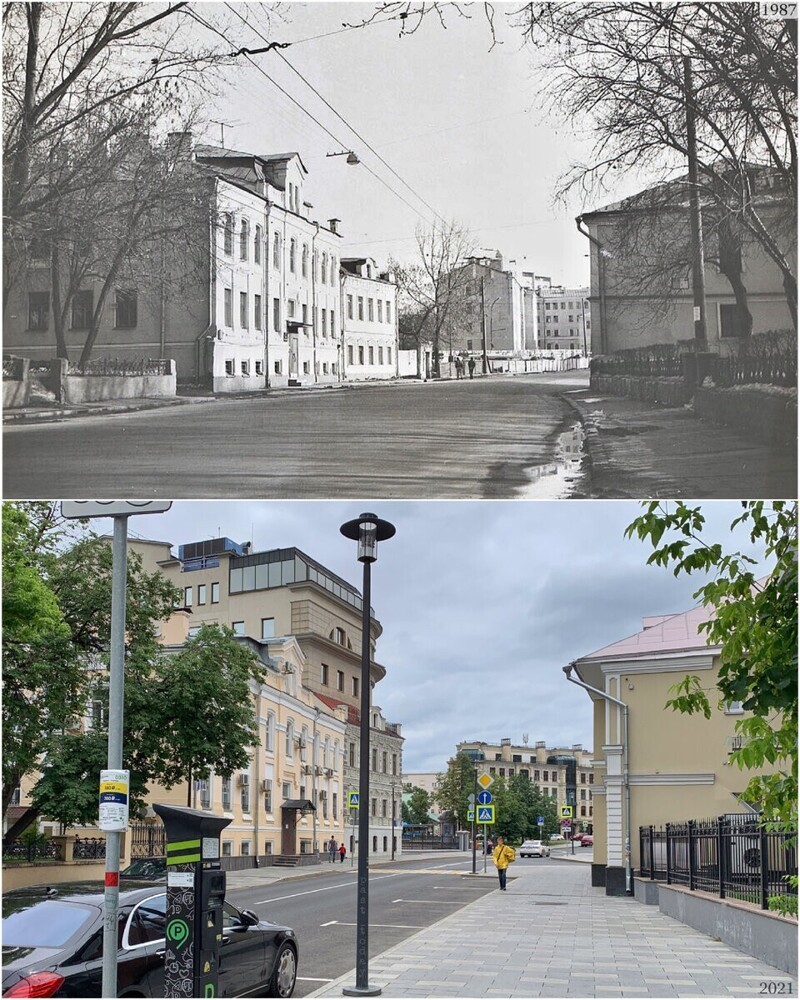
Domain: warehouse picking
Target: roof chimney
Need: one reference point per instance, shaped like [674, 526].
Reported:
[333, 225]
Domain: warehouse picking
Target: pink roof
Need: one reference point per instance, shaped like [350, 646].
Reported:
[661, 634]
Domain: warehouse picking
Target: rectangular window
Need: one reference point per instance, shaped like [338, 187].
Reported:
[277, 367]
[370, 310]
[349, 354]
[245, 848]
[385, 762]
[227, 794]
[374, 759]
[374, 807]
[228, 306]
[286, 790]
[245, 366]
[388, 312]
[355, 687]
[215, 593]
[227, 848]
[383, 808]
[333, 323]
[388, 355]
[380, 355]
[372, 355]
[290, 308]
[38, 310]
[238, 628]
[267, 628]
[201, 593]
[187, 597]
[125, 310]
[276, 315]
[82, 310]
[306, 367]
[340, 680]
[380, 310]
[324, 322]
[257, 311]
[268, 795]
[349, 306]
[324, 674]
[360, 307]
[361, 355]
[259, 367]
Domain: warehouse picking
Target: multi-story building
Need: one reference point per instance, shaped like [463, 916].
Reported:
[564, 773]
[564, 319]
[252, 298]
[369, 320]
[283, 593]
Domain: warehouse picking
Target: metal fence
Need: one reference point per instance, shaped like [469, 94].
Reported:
[121, 366]
[89, 848]
[732, 856]
[148, 840]
[32, 850]
[428, 842]
[766, 359]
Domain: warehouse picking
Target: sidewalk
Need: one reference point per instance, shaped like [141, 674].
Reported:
[553, 935]
[641, 450]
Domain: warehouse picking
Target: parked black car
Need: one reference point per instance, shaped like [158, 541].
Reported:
[53, 945]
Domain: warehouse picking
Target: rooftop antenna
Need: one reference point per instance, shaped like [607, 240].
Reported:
[222, 125]
[525, 738]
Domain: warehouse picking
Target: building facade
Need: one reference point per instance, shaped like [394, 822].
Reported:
[285, 596]
[369, 320]
[678, 765]
[564, 319]
[641, 268]
[564, 773]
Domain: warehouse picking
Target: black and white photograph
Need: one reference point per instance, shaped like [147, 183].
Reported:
[444, 250]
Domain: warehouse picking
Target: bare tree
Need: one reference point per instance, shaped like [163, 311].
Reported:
[431, 287]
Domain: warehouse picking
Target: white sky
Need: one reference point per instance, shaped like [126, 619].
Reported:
[463, 125]
[482, 603]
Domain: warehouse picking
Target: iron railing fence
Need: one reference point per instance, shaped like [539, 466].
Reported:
[653, 361]
[148, 840]
[12, 367]
[32, 850]
[427, 842]
[766, 359]
[89, 848]
[121, 366]
[732, 856]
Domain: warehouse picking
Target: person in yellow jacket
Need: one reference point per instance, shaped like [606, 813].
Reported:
[502, 856]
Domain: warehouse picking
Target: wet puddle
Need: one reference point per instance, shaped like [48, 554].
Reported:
[562, 477]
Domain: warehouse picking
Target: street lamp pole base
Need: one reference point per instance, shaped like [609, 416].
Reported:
[355, 991]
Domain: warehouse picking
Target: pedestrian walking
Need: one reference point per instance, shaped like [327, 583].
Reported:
[342, 852]
[502, 856]
[332, 850]
[471, 366]
[489, 846]
[459, 368]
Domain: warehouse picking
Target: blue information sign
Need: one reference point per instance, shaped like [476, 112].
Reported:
[484, 798]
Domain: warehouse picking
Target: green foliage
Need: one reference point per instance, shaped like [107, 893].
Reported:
[419, 806]
[455, 787]
[785, 903]
[754, 622]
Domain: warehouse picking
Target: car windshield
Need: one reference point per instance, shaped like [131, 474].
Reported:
[48, 924]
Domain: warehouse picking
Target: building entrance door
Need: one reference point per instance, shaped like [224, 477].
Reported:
[288, 831]
[293, 355]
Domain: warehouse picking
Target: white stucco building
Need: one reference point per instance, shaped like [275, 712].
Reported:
[369, 319]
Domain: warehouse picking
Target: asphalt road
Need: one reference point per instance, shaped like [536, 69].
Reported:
[495, 438]
[403, 899]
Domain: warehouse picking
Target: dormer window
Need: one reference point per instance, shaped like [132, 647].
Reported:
[369, 270]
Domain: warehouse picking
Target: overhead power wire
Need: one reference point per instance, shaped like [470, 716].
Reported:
[276, 46]
[316, 121]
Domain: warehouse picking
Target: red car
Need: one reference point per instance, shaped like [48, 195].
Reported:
[586, 840]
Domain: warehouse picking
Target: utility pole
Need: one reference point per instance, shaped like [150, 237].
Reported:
[483, 325]
[695, 216]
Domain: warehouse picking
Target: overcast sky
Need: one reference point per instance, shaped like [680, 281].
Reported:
[460, 121]
[482, 603]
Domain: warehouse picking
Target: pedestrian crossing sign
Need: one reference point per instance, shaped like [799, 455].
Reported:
[486, 814]
[352, 800]
[566, 812]
[470, 815]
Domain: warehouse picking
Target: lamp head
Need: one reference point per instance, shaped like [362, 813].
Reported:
[368, 530]
[567, 669]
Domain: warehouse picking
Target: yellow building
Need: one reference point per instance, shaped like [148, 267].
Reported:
[678, 766]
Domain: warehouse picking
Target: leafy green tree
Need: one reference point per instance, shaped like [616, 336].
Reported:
[419, 806]
[455, 787]
[755, 624]
[43, 684]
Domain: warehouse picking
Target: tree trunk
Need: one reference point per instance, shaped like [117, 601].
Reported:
[59, 310]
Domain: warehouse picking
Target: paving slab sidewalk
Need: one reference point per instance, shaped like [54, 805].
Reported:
[553, 935]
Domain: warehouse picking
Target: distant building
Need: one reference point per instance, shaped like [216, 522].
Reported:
[564, 319]
[369, 320]
[641, 268]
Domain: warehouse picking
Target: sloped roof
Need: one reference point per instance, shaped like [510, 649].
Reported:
[670, 634]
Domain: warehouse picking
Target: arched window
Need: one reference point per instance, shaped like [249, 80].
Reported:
[257, 245]
[244, 240]
[292, 254]
[325, 752]
[270, 733]
[305, 260]
[276, 251]
[228, 228]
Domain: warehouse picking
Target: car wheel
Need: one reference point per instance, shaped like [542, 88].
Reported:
[284, 973]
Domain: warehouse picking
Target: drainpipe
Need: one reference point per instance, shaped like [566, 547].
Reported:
[625, 765]
[342, 315]
[601, 280]
[256, 804]
[266, 315]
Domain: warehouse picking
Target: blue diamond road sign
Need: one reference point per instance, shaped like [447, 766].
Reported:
[484, 798]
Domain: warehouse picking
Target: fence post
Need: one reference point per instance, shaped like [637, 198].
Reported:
[652, 853]
[721, 855]
[669, 874]
[691, 855]
[762, 843]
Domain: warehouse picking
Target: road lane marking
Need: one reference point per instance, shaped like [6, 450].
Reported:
[402, 927]
[311, 979]
[447, 902]
[309, 892]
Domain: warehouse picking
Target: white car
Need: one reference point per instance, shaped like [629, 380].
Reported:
[534, 849]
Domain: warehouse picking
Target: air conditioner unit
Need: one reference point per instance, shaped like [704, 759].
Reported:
[734, 743]
[265, 785]
[244, 780]
[306, 769]
[329, 772]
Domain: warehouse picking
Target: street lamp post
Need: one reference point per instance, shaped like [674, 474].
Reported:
[314, 782]
[393, 821]
[367, 530]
